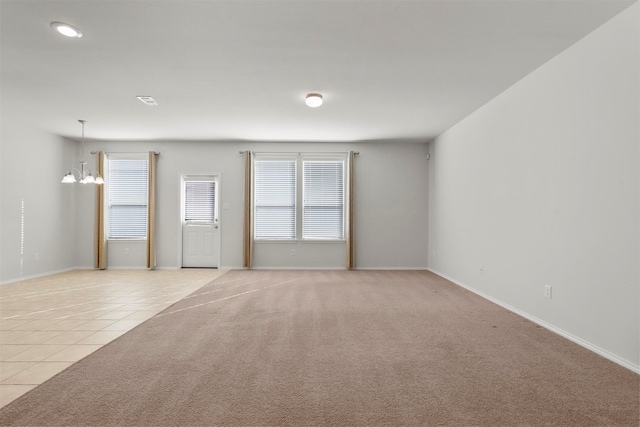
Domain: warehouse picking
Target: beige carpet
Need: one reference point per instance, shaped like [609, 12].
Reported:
[345, 348]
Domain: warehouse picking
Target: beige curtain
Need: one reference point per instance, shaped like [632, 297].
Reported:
[100, 242]
[151, 212]
[351, 260]
[248, 210]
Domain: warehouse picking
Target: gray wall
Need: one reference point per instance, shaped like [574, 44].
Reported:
[391, 205]
[541, 187]
[37, 212]
[390, 199]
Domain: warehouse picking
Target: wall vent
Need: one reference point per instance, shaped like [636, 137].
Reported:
[148, 100]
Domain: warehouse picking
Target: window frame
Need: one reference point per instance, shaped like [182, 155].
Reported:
[276, 158]
[329, 159]
[300, 159]
[200, 178]
[109, 157]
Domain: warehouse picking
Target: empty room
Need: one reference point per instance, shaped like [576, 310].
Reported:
[345, 213]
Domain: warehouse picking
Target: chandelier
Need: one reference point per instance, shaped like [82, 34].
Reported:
[83, 174]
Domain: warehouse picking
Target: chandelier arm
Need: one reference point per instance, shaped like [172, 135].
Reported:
[84, 174]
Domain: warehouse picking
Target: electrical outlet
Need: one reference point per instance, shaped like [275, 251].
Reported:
[126, 251]
[36, 256]
[293, 252]
[547, 291]
[482, 269]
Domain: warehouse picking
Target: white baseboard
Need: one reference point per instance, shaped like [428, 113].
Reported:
[581, 342]
[392, 268]
[298, 268]
[328, 268]
[35, 276]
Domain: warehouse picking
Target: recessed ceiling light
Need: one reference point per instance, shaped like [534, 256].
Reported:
[66, 29]
[148, 100]
[313, 100]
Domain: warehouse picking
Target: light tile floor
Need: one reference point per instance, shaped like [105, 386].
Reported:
[48, 323]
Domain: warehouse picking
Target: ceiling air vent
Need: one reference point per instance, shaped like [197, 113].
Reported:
[148, 100]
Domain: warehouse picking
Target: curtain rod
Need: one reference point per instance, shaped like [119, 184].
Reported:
[300, 152]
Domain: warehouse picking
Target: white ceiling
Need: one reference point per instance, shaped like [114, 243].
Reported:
[239, 70]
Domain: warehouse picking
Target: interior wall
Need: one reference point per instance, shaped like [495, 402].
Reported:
[37, 212]
[390, 198]
[541, 187]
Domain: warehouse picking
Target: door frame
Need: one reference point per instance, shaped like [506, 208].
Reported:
[217, 176]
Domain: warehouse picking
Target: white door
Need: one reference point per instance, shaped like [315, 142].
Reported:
[198, 245]
[200, 226]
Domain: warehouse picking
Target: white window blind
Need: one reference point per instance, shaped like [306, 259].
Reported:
[128, 197]
[200, 201]
[275, 199]
[323, 200]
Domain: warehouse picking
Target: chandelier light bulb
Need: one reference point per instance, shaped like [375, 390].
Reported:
[68, 178]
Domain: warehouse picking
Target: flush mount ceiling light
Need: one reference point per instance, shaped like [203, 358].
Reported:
[313, 100]
[83, 174]
[66, 29]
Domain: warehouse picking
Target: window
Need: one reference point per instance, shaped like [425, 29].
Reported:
[275, 199]
[200, 201]
[278, 186]
[323, 206]
[127, 195]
